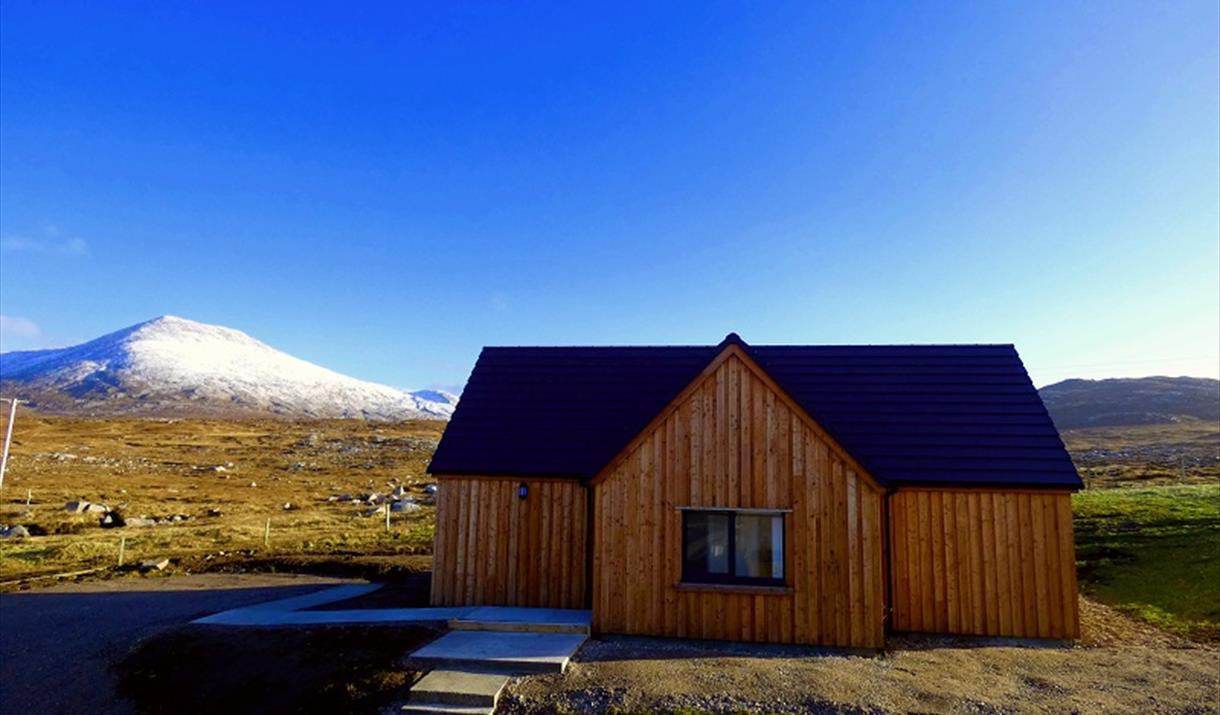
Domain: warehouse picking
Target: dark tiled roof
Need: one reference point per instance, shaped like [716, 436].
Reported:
[911, 414]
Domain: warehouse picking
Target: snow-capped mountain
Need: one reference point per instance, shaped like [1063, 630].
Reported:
[171, 366]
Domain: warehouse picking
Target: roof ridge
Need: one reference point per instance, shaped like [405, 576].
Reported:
[734, 338]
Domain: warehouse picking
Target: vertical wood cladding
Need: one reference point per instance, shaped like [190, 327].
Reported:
[733, 440]
[1000, 563]
[493, 548]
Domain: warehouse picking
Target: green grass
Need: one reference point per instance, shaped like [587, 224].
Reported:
[1154, 553]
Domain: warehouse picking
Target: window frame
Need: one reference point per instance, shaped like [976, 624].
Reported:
[731, 578]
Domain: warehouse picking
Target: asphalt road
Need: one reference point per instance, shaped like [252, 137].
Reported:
[57, 644]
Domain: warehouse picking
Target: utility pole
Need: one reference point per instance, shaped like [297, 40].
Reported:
[8, 435]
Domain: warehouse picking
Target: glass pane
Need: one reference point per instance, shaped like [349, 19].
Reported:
[760, 546]
[707, 543]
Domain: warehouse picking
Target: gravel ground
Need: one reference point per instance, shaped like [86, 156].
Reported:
[1119, 666]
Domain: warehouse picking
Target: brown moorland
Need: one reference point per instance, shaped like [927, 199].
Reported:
[212, 487]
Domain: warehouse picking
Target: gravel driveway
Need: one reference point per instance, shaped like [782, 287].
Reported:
[57, 644]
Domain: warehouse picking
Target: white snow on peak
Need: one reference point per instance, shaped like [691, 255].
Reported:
[175, 359]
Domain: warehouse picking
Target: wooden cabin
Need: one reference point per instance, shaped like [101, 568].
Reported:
[820, 495]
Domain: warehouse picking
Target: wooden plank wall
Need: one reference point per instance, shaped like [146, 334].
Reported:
[733, 440]
[492, 548]
[1000, 563]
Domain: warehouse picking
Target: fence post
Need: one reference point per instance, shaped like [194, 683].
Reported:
[122, 548]
[387, 517]
[267, 534]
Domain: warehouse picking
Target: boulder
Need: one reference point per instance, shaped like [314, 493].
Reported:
[80, 506]
[96, 508]
[14, 532]
[405, 505]
[112, 520]
[141, 521]
[157, 564]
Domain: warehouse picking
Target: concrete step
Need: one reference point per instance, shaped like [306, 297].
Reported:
[501, 652]
[523, 620]
[446, 709]
[459, 687]
[463, 624]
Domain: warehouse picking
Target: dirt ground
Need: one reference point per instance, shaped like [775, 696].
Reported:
[1120, 666]
[283, 670]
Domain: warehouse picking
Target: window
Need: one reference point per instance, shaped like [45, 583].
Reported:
[745, 547]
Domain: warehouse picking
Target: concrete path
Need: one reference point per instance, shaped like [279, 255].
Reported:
[508, 652]
[287, 612]
[56, 644]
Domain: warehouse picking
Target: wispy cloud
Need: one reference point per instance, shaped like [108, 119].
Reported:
[51, 242]
[17, 333]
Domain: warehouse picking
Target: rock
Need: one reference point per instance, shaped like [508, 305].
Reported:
[157, 564]
[430, 489]
[405, 506]
[14, 532]
[76, 507]
[97, 508]
[289, 506]
[141, 521]
[254, 484]
[214, 512]
[219, 468]
[112, 520]
[373, 512]
[398, 493]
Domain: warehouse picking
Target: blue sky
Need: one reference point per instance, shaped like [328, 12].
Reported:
[383, 190]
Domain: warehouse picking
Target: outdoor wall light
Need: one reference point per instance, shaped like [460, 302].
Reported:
[523, 490]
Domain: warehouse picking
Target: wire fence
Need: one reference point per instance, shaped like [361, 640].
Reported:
[197, 542]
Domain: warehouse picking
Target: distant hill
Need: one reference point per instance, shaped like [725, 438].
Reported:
[1074, 404]
[173, 366]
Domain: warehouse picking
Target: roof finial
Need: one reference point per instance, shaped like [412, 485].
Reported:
[733, 339]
